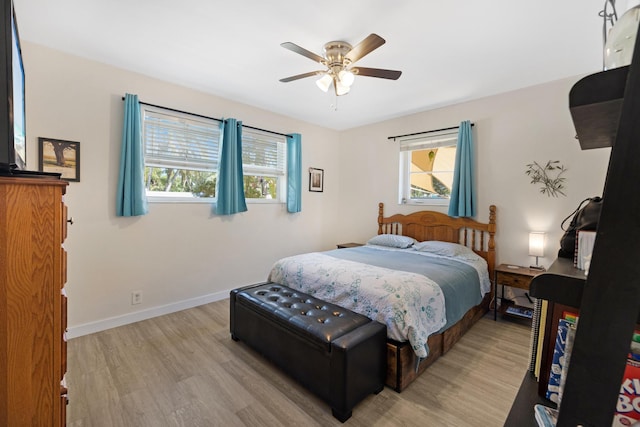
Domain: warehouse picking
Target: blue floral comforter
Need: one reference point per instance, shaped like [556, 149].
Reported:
[414, 294]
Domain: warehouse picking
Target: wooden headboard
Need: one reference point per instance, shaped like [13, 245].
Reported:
[430, 225]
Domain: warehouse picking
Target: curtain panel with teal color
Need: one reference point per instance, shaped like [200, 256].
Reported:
[230, 192]
[131, 195]
[294, 173]
[463, 192]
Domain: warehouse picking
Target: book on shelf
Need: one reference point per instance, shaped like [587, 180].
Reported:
[628, 406]
[627, 412]
[571, 336]
[561, 354]
[545, 416]
[535, 335]
[560, 358]
[519, 311]
[570, 316]
[539, 331]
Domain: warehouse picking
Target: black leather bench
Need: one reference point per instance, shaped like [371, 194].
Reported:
[335, 353]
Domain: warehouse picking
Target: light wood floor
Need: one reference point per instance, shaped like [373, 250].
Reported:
[183, 369]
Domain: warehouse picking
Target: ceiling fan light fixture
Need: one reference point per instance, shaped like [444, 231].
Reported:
[338, 59]
[341, 89]
[346, 77]
[324, 82]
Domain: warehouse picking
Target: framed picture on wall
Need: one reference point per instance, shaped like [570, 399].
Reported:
[57, 155]
[316, 179]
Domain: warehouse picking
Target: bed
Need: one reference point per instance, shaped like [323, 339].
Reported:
[426, 276]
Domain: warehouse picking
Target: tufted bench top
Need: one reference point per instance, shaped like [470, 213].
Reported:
[318, 320]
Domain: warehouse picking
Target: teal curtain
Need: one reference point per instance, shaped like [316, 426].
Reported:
[131, 195]
[463, 192]
[230, 178]
[294, 173]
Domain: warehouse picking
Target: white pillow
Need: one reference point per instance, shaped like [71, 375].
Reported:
[447, 249]
[392, 240]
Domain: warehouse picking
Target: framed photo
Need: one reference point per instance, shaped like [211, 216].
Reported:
[56, 155]
[316, 179]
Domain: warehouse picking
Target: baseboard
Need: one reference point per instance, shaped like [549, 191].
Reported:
[125, 319]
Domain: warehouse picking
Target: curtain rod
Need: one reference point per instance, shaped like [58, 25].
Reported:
[210, 118]
[426, 131]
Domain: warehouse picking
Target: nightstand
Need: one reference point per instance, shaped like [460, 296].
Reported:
[349, 245]
[514, 276]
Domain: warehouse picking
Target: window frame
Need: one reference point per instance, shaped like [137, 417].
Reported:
[279, 171]
[248, 169]
[410, 143]
[176, 197]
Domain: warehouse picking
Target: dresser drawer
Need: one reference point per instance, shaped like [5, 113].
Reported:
[64, 222]
[63, 338]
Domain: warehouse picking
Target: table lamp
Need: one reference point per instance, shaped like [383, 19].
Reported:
[536, 247]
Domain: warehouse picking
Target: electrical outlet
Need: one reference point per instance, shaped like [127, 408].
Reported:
[136, 297]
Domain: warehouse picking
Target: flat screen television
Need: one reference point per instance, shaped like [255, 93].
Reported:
[12, 95]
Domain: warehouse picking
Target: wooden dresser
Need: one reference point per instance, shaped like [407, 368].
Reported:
[33, 305]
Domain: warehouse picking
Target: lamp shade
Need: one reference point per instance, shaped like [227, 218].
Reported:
[346, 77]
[324, 82]
[536, 243]
[340, 88]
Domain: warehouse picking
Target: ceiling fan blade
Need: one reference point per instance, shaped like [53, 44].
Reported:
[366, 46]
[377, 72]
[301, 76]
[302, 51]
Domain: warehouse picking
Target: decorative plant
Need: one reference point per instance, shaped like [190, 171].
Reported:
[549, 175]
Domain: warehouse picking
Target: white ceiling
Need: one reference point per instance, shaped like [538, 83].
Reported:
[449, 51]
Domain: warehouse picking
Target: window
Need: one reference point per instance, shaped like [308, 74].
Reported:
[427, 163]
[264, 165]
[182, 152]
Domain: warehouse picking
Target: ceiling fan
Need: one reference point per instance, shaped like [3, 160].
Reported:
[339, 58]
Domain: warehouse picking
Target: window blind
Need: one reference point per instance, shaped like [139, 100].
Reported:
[432, 140]
[263, 153]
[176, 140]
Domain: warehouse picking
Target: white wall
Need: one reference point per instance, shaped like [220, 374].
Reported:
[511, 130]
[181, 255]
[177, 255]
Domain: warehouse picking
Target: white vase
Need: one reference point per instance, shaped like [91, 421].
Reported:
[618, 50]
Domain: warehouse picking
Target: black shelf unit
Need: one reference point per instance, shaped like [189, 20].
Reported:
[605, 109]
[561, 283]
[521, 414]
[595, 103]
